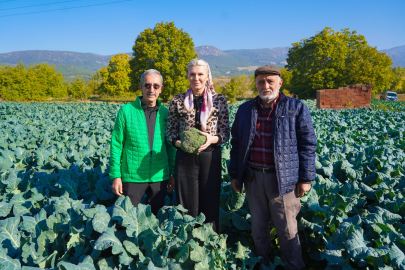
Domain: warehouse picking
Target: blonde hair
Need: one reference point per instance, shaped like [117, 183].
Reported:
[198, 62]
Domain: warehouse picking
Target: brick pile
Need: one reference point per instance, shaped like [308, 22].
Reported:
[349, 97]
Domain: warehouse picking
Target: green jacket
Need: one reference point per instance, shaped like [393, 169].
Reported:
[131, 158]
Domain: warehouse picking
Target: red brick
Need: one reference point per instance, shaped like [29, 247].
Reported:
[351, 96]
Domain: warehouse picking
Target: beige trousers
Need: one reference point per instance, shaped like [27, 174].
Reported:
[265, 205]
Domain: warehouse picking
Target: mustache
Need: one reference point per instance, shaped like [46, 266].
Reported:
[150, 94]
[267, 90]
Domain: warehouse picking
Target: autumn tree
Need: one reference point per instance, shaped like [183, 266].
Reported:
[116, 76]
[167, 49]
[333, 59]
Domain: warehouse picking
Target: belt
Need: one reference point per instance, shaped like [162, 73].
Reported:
[263, 170]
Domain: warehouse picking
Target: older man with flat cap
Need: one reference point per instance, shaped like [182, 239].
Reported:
[273, 156]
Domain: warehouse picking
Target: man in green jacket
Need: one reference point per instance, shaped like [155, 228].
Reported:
[141, 159]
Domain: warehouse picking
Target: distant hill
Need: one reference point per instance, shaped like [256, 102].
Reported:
[222, 63]
[209, 50]
[88, 61]
[71, 72]
[231, 62]
[71, 64]
[397, 54]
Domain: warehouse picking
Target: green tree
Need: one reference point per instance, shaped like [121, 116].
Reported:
[253, 85]
[14, 82]
[78, 89]
[398, 84]
[167, 49]
[116, 77]
[48, 81]
[31, 83]
[286, 75]
[238, 87]
[333, 59]
[95, 83]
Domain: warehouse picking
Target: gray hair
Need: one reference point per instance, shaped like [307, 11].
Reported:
[151, 71]
[197, 62]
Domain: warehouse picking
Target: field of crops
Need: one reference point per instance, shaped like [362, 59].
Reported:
[57, 210]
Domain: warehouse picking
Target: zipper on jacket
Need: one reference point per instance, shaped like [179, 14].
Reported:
[153, 141]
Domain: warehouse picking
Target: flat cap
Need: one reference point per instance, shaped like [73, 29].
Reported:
[267, 69]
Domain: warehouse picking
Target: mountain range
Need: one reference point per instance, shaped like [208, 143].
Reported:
[222, 63]
[397, 54]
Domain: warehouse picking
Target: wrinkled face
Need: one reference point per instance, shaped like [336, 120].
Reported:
[151, 88]
[197, 77]
[268, 86]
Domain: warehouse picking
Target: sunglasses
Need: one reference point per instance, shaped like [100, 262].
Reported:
[149, 86]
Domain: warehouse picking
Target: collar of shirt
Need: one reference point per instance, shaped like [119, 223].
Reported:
[148, 108]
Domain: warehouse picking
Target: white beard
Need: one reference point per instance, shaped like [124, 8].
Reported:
[270, 97]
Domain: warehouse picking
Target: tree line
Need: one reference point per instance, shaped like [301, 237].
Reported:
[328, 60]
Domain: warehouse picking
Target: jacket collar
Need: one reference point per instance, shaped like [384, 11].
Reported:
[281, 97]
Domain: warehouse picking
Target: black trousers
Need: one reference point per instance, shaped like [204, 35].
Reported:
[156, 193]
[198, 183]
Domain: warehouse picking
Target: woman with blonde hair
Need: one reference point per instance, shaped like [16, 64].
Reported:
[198, 176]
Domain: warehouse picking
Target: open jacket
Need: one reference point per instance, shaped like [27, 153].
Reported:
[181, 120]
[131, 158]
[294, 142]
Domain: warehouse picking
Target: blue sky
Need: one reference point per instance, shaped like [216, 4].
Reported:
[249, 24]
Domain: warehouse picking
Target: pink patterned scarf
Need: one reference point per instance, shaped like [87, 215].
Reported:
[207, 105]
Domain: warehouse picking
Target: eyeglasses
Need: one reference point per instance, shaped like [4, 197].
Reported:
[149, 85]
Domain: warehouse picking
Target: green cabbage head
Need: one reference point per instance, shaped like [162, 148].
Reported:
[191, 140]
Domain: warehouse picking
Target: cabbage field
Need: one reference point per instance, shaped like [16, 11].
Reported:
[57, 210]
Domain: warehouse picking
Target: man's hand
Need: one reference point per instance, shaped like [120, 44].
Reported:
[302, 189]
[117, 186]
[170, 184]
[235, 185]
